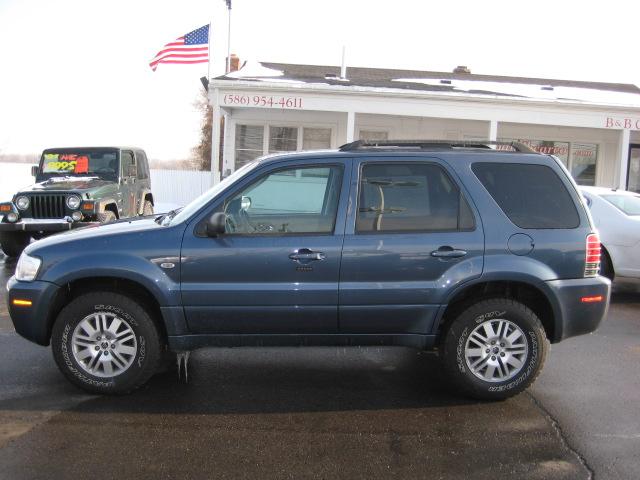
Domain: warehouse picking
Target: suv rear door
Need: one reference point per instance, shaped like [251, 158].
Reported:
[276, 269]
[412, 236]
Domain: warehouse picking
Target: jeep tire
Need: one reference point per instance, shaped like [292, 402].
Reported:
[147, 208]
[106, 343]
[106, 217]
[494, 349]
[13, 243]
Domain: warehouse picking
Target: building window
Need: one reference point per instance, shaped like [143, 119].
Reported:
[373, 135]
[583, 163]
[546, 147]
[283, 139]
[316, 138]
[633, 182]
[249, 143]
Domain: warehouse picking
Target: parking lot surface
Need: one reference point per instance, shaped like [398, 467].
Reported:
[327, 413]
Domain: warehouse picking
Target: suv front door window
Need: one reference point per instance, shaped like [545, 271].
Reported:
[281, 251]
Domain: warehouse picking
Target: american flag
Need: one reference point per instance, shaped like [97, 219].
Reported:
[190, 48]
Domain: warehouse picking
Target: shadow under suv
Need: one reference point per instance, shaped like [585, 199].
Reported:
[483, 254]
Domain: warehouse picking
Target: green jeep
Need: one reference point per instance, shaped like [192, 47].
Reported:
[76, 187]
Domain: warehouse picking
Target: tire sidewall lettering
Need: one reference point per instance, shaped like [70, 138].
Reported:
[532, 364]
[70, 362]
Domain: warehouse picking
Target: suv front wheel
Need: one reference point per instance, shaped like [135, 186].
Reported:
[494, 349]
[105, 342]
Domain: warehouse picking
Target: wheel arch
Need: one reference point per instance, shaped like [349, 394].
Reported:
[124, 286]
[535, 295]
[605, 251]
[110, 205]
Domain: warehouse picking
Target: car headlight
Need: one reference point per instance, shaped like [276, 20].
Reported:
[27, 268]
[22, 203]
[73, 202]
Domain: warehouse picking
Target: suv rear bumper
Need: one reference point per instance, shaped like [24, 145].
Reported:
[29, 225]
[577, 316]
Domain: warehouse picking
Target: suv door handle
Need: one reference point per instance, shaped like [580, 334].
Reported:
[304, 255]
[448, 252]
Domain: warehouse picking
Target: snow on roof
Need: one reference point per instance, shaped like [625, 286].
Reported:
[254, 70]
[444, 83]
[534, 91]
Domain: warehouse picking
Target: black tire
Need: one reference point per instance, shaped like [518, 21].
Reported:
[606, 266]
[463, 326]
[106, 217]
[144, 362]
[13, 243]
[148, 208]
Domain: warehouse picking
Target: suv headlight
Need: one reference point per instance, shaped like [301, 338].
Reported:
[73, 202]
[22, 203]
[27, 268]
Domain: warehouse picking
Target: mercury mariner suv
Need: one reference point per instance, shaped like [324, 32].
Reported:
[483, 254]
[76, 187]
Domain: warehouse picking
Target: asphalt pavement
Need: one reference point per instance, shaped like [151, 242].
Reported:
[327, 413]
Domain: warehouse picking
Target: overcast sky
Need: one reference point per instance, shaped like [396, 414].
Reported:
[75, 72]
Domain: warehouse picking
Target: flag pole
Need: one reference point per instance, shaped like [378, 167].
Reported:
[209, 56]
[228, 66]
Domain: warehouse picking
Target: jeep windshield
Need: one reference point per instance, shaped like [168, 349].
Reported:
[98, 162]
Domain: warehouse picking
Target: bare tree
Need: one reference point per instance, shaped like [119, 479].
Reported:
[202, 152]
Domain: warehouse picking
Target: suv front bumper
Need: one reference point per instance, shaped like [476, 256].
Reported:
[577, 316]
[34, 321]
[53, 225]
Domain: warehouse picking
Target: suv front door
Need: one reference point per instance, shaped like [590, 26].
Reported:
[412, 237]
[276, 269]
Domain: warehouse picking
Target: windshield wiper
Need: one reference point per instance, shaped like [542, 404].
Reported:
[166, 217]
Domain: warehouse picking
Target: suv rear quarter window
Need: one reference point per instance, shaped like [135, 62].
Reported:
[532, 196]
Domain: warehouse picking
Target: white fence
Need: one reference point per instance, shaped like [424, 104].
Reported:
[179, 187]
[170, 187]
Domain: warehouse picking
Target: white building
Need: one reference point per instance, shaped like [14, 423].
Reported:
[269, 107]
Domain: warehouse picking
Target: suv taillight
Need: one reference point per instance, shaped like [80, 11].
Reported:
[592, 256]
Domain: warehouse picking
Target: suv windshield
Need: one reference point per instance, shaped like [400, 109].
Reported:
[628, 204]
[207, 196]
[79, 162]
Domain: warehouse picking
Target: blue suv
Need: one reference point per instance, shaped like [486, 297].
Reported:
[484, 254]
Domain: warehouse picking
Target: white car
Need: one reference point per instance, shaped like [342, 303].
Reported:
[616, 214]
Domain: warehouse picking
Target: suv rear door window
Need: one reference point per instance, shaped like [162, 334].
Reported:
[407, 197]
[532, 196]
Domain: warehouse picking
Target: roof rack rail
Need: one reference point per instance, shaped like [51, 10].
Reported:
[431, 144]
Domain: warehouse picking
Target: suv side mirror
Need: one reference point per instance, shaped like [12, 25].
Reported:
[34, 170]
[216, 224]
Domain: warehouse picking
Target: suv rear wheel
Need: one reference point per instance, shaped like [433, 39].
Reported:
[494, 349]
[14, 243]
[107, 343]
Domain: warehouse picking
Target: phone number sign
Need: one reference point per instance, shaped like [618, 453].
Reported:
[262, 101]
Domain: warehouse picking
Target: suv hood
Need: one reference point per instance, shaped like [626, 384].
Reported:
[98, 233]
[68, 184]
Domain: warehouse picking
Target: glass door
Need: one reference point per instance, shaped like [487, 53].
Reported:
[633, 174]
